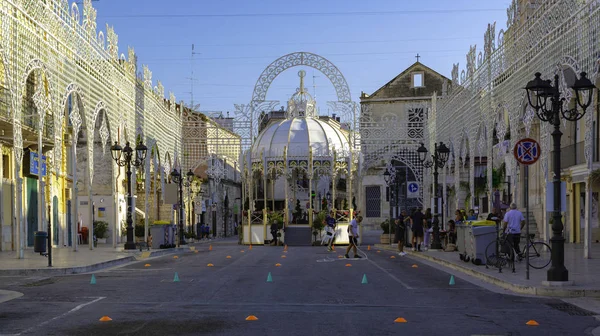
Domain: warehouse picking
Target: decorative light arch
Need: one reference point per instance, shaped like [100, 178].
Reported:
[298, 59]
[37, 64]
[248, 113]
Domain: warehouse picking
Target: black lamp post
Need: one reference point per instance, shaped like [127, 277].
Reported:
[440, 157]
[548, 105]
[124, 158]
[177, 178]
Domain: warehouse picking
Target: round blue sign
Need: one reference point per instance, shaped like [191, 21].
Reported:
[413, 187]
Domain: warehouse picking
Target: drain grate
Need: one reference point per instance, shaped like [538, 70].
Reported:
[340, 301]
[571, 309]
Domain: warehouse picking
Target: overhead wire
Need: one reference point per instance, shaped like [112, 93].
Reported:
[305, 14]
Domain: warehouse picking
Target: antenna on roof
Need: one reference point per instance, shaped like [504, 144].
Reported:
[192, 79]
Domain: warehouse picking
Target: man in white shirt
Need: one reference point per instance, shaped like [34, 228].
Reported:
[512, 224]
[353, 236]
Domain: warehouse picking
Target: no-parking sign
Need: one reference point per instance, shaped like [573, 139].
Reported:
[527, 151]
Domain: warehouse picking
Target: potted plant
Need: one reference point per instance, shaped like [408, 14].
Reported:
[387, 235]
[100, 231]
[318, 225]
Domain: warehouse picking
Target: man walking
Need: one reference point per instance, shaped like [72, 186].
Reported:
[417, 229]
[330, 228]
[512, 224]
[353, 237]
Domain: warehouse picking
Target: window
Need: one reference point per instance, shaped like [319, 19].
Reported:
[373, 201]
[417, 80]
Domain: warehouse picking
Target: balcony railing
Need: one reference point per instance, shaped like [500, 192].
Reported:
[572, 155]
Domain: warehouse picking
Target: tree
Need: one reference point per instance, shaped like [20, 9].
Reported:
[297, 211]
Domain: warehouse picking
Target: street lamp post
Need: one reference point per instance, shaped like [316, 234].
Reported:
[548, 105]
[440, 157]
[177, 179]
[124, 158]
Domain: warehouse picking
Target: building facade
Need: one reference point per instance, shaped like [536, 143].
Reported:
[67, 93]
[485, 112]
[392, 126]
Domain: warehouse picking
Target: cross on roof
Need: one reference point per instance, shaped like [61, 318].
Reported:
[418, 57]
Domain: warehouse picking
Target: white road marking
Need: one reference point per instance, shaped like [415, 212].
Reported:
[391, 275]
[62, 315]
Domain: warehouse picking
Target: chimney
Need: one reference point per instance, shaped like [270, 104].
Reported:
[333, 116]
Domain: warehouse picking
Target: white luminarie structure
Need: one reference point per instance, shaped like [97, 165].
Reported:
[300, 147]
[551, 37]
[65, 84]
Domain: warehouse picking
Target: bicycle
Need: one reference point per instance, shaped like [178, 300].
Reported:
[501, 252]
[540, 253]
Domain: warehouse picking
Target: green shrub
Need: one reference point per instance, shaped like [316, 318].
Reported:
[100, 229]
[385, 226]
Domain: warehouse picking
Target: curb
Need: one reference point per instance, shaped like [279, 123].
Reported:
[92, 267]
[520, 289]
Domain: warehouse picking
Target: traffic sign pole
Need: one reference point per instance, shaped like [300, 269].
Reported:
[527, 151]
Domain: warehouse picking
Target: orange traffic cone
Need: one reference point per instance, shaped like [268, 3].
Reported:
[210, 247]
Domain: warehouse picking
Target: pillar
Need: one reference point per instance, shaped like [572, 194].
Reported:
[587, 237]
[74, 199]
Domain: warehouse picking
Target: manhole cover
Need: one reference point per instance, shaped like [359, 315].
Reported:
[571, 309]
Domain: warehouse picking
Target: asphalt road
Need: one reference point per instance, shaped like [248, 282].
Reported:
[311, 293]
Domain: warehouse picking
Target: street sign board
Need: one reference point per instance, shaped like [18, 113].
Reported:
[527, 151]
[412, 189]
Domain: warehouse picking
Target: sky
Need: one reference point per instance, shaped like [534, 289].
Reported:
[370, 42]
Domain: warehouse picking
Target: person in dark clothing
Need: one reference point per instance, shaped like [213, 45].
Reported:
[451, 232]
[274, 229]
[400, 232]
[417, 229]
[494, 215]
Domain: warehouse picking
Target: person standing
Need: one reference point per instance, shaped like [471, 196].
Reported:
[512, 224]
[417, 229]
[274, 229]
[400, 231]
[330, 228]
[353, 237]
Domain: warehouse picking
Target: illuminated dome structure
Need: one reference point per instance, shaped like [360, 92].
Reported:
[289, 163]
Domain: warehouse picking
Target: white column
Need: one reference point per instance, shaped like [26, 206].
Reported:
[90, 217]
[117, 226]
[40, 193]
[587, 238]
[20, 222]
[1, 199]
[74, 194]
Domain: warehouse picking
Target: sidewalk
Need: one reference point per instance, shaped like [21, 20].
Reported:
[66, 261]
[583, 272]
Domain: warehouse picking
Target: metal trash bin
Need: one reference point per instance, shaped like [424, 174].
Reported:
[163, 235]
[40, 240]
[461, 236]
[482, 223]
[482, 236]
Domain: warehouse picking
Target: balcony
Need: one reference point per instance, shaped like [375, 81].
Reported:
[572, 155]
